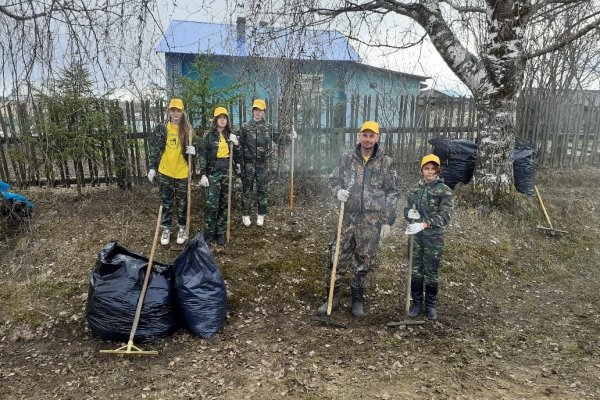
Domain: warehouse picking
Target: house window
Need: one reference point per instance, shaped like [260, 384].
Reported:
[311, 85]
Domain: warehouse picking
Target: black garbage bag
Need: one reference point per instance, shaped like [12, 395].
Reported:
[200, 289]
[457, 158]
[524, 166]
[115, 285]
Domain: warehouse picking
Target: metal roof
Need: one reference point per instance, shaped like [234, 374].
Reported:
[190, 37]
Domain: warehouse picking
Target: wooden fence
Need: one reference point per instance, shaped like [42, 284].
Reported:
[564, 130]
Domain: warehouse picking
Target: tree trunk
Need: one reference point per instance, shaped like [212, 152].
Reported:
[493, 176]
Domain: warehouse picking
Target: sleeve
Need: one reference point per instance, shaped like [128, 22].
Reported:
[336, 179]
[392, 192]
[154, 147]
[441, 217]
[203, 154]
[276, 135]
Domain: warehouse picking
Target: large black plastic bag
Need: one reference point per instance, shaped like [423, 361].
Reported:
[523, 166]
[200, 289]
[115, 285]
[457, 158]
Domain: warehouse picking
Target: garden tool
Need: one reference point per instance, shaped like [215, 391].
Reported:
[292, 167]
[130, 348]
[551, 229]
[189, 190]
[327, 320]
[407, 320]
[229, 190]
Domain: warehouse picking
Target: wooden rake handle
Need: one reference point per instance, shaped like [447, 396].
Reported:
[537, 192]
[229, 190]
[336, 256]
[140, 302]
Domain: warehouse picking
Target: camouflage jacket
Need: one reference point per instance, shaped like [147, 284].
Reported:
[433, 201]
[156, 146]
[208, 152]
[373, 185]
[255, 141]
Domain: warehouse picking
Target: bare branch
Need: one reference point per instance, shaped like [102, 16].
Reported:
[464, 9]
[565, 40]
[4, 10]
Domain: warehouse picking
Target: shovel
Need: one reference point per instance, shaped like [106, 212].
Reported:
[544, 229]
[407, 320]
[130, 348]
[327, 320]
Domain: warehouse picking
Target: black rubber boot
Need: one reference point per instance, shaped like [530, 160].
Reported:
[358, 298]
[337, 295]
[416, 289]
[431, 292]
[208, 238]
[221, 239]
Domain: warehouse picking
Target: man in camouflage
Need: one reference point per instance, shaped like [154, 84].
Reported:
[366, 181]
[255, 142]
[429, 209]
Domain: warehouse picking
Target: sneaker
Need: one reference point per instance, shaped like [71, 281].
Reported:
[166, 236]
[260, 220]
[246, 220]
[221, 239]
[181, 235]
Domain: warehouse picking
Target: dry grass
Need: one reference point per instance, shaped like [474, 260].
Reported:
[518, 310]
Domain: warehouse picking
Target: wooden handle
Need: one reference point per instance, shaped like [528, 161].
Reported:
[411, 240]
[140, 302]
[229, 189]
[189, 191]
[338, 239]
[292, 178]
[543, 208]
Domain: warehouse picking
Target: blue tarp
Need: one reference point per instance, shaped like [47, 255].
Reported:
[16, 202]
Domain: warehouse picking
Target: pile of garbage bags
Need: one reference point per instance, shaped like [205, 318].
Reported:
[190, 293]
[458, 162]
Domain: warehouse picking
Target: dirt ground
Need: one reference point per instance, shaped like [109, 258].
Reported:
[519, 311]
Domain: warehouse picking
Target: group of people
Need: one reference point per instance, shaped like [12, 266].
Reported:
[364, 180]
[169, 147]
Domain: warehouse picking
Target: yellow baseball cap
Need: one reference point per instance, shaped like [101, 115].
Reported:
[430, 158]
[260, 104]
[370, 126]
[220, 111]
[176, 103]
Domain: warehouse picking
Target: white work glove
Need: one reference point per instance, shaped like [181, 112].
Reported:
[151, 175]
[343, 195]
[233, 139]
[204, 181]
[413, 214]
[190, 150]
[294, 135]
[238, 168]
[414, 228]
[386, 230]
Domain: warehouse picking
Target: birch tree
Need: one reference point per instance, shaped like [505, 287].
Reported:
[492, 66]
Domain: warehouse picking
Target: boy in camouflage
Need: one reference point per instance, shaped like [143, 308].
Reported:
[168, 149]
[366, 181]
[255, 143]
[433, 203]
[214, 168]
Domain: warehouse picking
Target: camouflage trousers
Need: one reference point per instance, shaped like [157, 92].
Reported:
[260, 174]
[428, 247]
[358, 248]
[215, 211]
[173, 191]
